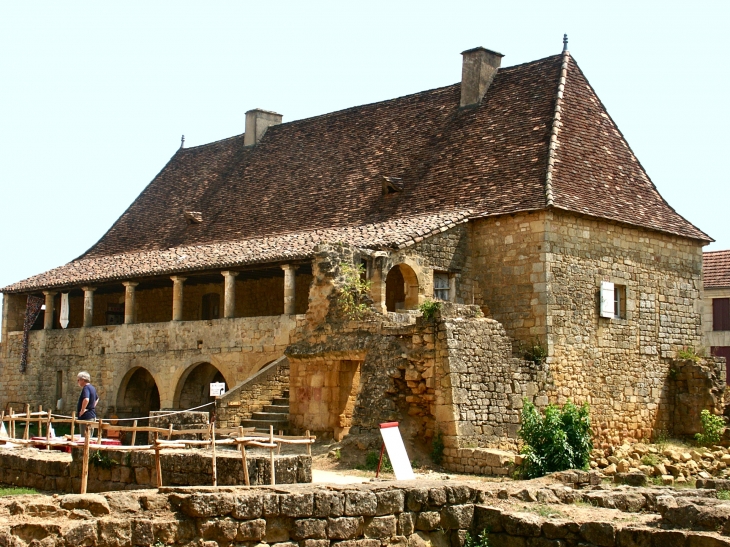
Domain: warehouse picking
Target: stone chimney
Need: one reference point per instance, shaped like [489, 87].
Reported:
[478, 68]
[257, 122]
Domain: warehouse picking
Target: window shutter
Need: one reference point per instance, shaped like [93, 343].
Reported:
[721, 314]
[607, 299]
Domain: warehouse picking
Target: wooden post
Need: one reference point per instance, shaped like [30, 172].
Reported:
[73, 425]
[2, 420]
[215, 466]
[11, 422]
[40, 420]
[26, 436]
[48, 430]
[134, 432]
[85, 461]
[169, 433]
[158, 464]
[100, 433]
[309, 445]
[246, 480]
[271, 453]
[278, 449]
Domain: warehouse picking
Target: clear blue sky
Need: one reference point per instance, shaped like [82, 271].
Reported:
[95, 95]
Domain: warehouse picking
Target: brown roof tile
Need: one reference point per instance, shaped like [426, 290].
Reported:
[716, 269]
[393, 234]
[324, 175]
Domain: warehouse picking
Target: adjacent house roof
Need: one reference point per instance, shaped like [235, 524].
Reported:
[716, 269]
[540, 138]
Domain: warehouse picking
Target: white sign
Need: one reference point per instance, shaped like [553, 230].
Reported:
[217, 388]
[397, 451]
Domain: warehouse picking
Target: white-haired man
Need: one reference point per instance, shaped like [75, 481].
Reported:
[86, 407]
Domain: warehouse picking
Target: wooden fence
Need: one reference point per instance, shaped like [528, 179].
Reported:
[163, 439]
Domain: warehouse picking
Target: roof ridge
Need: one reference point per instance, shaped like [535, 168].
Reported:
[552, 147]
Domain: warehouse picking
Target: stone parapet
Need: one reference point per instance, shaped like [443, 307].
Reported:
[122, 470]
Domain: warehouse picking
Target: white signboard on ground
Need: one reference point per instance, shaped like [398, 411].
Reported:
[217, 389]
[396, 451]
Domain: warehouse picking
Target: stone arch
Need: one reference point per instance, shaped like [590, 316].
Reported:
[402, 288]
[138, 394]
[193, 387]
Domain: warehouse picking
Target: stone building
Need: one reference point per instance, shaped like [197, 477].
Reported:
[511, 195]
[716, 303]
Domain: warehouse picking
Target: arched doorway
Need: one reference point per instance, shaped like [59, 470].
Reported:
[138, 394]
[193, 389]
[401, 288]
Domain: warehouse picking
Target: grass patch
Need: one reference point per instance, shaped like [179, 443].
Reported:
[723, 494]
[546, 511]
[650, 459]
[15, 491]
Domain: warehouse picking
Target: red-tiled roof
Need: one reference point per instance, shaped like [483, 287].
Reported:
[325, 173]
[716, 269]
[394, 234]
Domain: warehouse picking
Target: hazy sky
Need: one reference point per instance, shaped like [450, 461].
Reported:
[94, 96]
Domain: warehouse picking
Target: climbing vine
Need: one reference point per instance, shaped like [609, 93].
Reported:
[353, 292]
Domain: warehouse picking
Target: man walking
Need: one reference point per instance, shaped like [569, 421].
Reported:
[86, 407]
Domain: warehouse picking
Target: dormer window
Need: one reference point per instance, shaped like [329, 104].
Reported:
[193, 217]
[392, 185]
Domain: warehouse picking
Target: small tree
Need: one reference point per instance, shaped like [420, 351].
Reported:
[353, 292]
[560, 440]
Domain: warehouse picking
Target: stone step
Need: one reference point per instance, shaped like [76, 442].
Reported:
[281, 409]
[280, 401]
[263, 425]
[276, 430]
[271, 416]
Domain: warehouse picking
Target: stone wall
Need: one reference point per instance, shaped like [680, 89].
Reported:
[695, 386]
[252, 394]
[620, 366]
[59, 472]
[416, 515]
[235, 347]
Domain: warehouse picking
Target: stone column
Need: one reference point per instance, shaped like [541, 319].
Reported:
[177, 297]
[130, 315]
[88, 305]
[50, 306]
[377, 287]
[290, 287]
[229, 294]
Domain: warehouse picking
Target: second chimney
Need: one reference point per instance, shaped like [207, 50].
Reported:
[257, 122]
[478, 69]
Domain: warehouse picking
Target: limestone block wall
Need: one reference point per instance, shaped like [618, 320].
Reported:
[480, 386]
[695, 386]
[621, 366]
[236, 347]
[509, 254]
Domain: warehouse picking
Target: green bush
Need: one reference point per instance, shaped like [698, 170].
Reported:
[688, 353]
[437, 448]
[712, 428]
[429, 309]
[371, 462]
[482, 540]
[560, 440]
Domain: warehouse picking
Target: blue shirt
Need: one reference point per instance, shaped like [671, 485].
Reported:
[87, 392]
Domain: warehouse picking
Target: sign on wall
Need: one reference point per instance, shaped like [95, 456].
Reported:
[217, 389]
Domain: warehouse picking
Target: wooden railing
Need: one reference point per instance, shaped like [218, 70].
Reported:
[163, 439]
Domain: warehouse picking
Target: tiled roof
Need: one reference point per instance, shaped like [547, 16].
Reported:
[325, 173]
[393, 234]
[716, 269]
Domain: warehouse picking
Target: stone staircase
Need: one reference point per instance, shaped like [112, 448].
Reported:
[259, 401]
[276, 414]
